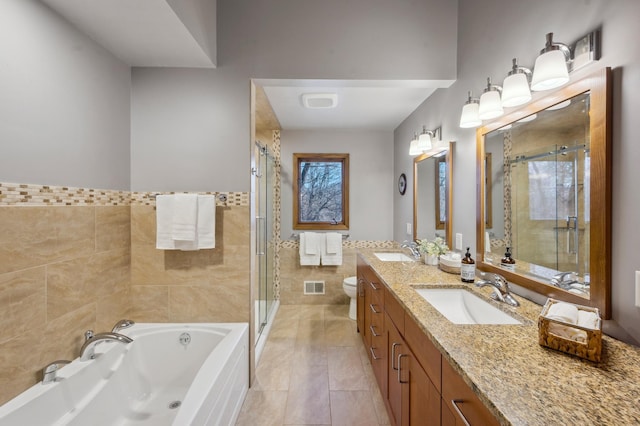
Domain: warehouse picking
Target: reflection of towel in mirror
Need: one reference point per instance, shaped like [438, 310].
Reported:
[309, 249]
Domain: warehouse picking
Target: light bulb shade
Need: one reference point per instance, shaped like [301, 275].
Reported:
[424, 142]
[469, 117]
[515, 90]
[413, 148]
[490, 105]
[550, 71]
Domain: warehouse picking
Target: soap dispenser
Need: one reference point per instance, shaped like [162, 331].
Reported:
[508, 262]
[467, 268]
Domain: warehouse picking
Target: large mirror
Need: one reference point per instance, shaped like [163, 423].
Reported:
[432, 195]
[545, 174]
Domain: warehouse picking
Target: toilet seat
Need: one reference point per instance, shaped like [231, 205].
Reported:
[350, 281]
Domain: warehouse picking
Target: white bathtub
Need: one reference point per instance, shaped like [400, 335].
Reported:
[142, 383]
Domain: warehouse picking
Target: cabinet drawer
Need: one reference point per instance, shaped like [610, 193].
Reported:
[461, 401]
[426, 353]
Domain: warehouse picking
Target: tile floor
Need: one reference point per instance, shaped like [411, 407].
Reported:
[313, 371]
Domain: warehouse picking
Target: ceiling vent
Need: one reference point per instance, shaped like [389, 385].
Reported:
[319, 100]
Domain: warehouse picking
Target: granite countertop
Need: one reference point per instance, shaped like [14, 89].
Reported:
[520, 382]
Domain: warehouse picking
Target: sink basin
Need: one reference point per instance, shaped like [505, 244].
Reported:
[462, 307]
[393, 257]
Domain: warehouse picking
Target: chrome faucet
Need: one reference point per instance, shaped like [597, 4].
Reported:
[121, 325]
[500, 288]
[87, 351]
[413, 248]
[564, 280]
[49, 373]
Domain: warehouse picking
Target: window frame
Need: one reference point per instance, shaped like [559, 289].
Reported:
[324, 158]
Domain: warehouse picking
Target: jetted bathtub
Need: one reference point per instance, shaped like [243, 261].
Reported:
[171, 374]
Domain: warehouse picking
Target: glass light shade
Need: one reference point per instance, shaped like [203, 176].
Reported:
[424, 142]
[469, 117]
[528, 118]
[550, 71]
[413, 148]
[490, 105]
[515, 90]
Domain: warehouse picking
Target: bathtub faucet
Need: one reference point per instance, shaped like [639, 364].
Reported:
[122, 324]
[50, 371]
[87, 351]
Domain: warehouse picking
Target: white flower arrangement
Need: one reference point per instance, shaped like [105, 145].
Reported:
[433, 248]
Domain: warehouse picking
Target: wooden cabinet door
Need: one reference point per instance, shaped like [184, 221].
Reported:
[396, 347]
[420, 399]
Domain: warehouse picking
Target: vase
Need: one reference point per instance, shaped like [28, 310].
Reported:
[431, 259]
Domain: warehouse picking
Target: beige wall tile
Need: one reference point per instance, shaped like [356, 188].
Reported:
[215, 303]
[74, 283]
[150, 303]
[34, 236]
[64, 336]
[113, 227]
[143, 225]
[112, 308]
[20, 360]
[22, 302]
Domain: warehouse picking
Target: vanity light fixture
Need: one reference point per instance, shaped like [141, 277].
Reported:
[490, 103]
[515, 88]
[413, 146]
[469, 117]
[551, 69]
[424, 140]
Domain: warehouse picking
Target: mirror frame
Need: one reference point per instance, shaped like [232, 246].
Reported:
[449, 160]
[599, 86]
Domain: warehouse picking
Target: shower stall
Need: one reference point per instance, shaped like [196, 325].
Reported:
[265, 181]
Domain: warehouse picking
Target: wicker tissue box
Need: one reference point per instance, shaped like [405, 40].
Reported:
[554, 334]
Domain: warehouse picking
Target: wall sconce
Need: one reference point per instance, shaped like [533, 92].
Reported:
[515, 88]
[551, 69]
[490, 103]
[469, 117]
[413, 146]
[424, 140]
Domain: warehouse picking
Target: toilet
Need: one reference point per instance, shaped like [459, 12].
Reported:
[350, 286]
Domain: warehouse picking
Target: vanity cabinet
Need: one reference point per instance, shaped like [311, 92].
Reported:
[372, 317]
[418, 385]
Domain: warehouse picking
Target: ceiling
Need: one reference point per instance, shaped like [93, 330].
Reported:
[147, 33]
[375, 105]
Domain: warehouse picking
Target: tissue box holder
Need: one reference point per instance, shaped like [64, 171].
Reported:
[591, 349]
[450, 266]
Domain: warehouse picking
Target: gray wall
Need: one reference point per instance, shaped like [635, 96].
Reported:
[490, 33]
[191, 128]
[370, 177]
[64, 103]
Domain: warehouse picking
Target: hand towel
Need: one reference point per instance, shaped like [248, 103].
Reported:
[588, 319]
[185, 217]
[334, 240]
[206, 227]
[164, 220]
[311, 243]
[567, 332]
[565, 312]
[308, 259]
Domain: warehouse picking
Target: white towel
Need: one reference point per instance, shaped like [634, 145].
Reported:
[185, 217]
[311, 243]
[307, 259]
[206, 222]
[567, 332]
[565, 312]
[333, 242]
[164, 220]
[588, 319]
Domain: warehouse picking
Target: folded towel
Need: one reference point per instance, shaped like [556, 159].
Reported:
[487, 242]
[164, 220]
[185, 217]
[305, 258]
[206, 222]
[567, 332]
[334, 242]
[588, 319]
[311, 243]
[328, 258]
[565, 312]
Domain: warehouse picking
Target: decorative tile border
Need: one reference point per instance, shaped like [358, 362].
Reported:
[21, 194]
[359, 244]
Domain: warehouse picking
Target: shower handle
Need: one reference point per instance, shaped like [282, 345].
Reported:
[258, 252]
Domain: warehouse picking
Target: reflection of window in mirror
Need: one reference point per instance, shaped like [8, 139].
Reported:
[487, 184]
[441, 192]
[321, 191]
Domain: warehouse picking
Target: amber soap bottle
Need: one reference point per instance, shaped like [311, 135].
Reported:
[467, 268]
[507, 261]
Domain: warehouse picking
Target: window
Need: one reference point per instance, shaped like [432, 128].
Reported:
[321, 191]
